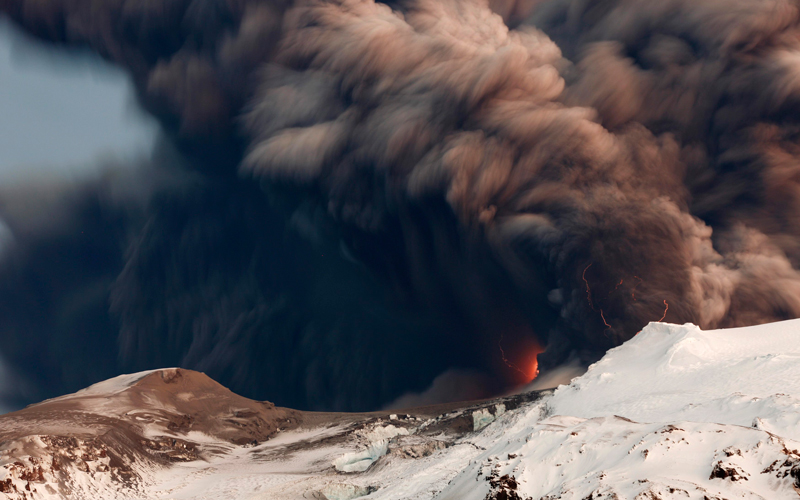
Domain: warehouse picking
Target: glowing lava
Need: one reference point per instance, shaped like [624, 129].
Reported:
[533, 369]
[529, 362]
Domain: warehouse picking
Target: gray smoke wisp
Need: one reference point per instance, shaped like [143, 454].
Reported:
[479, 176]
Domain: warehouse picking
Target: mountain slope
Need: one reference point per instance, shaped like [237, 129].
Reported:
[676, 412]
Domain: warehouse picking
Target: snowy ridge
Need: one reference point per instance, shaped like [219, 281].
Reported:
[115, 385]
[672, 372]
[674, 413]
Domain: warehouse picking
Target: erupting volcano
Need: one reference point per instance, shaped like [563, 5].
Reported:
[355, 199]
[501, 249]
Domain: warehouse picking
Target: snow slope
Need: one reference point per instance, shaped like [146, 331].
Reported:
[675, 413]
[671, 372]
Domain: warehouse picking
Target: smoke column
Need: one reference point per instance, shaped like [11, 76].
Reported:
[372, 194]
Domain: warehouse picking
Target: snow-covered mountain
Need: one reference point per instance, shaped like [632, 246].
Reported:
[676, 412]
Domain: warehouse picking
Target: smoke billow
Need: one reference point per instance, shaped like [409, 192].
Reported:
[382, 192]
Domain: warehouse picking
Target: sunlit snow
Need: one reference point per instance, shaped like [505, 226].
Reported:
[676, 412]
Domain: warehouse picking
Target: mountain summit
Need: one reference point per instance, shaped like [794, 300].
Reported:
[676, 412]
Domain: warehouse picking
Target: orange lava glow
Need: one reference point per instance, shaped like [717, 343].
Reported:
[533, 369]
[526, 363]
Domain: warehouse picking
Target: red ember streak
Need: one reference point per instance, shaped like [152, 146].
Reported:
[533, 373]
[588, 290]
[633, 296]
[589, 295]
[665, 311]
[505, 360]
[604, 319]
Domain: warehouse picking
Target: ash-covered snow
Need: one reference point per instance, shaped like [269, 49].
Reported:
[377, 446]
[116, 384]
[675, 413]
[109, 387]
[483, 417]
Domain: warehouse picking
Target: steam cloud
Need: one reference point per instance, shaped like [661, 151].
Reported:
[385, 191]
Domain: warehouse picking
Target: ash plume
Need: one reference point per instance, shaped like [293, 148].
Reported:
[479, 176]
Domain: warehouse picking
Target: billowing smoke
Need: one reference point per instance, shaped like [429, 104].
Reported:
[197, 274]
[382, 192]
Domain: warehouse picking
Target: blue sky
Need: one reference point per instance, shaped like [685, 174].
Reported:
[62, 111]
